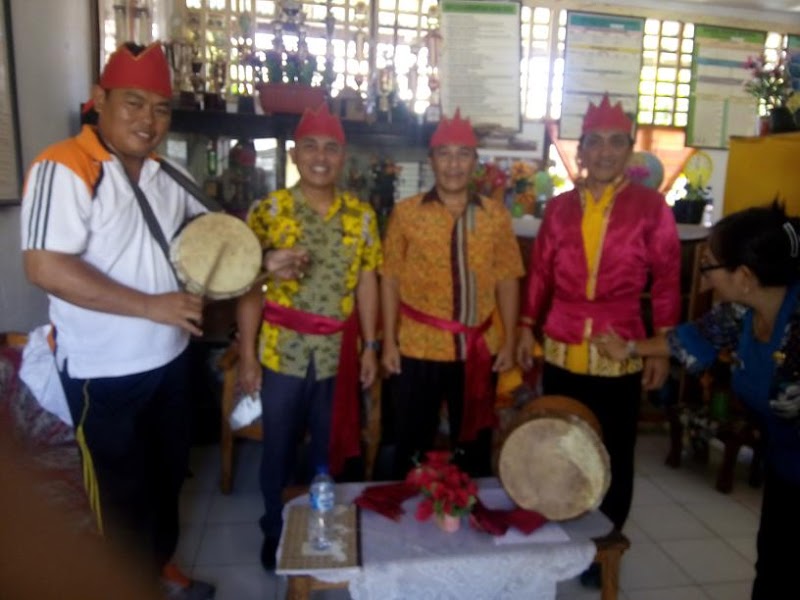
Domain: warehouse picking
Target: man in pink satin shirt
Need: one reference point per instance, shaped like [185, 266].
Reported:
[596, 248]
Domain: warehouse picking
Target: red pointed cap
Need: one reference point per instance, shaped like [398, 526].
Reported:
[147, 71]
[606, 116]
[455, 131]
[319, 122]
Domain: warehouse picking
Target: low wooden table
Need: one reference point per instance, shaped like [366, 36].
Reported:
[588, 533]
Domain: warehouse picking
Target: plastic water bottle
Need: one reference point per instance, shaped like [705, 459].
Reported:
[320, 518]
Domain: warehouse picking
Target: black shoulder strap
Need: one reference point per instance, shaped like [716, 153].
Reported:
[189, 185]
[152, 224]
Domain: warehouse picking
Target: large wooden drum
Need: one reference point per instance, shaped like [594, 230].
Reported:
[216, 255]
[552, 459]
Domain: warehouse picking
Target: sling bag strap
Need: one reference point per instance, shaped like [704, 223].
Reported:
[190, 186]
[152, 223]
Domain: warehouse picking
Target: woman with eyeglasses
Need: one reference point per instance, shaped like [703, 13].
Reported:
[751, 263]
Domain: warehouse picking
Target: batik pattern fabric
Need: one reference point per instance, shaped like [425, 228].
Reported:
[341, 245]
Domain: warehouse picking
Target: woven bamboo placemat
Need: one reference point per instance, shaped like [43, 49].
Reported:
[297, 554]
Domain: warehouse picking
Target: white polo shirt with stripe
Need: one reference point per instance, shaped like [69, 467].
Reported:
[77, 200]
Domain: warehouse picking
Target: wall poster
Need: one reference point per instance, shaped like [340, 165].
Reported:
[603, 54]
[477, 74]
[719, 107]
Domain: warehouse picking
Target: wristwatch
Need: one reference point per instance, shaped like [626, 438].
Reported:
[631, 347]
[371, 345]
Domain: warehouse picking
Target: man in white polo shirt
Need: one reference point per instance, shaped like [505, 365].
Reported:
[121, 323]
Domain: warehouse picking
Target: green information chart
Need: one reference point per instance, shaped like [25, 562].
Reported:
[718, 105]
[480, 61]
[603, 54]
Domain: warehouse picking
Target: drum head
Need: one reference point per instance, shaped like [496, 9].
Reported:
[217, 255]
[554, 463]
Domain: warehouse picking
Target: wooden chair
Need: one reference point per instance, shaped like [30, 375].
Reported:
[228, 364]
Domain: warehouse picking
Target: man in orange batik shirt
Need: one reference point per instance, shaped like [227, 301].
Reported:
[450, 260]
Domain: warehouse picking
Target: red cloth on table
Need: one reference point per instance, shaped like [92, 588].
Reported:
[497, 522]
[387, 499]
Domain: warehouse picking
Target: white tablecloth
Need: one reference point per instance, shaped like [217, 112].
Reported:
[416, 561]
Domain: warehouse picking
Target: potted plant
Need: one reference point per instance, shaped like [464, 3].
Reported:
[448, 493]
[770, 84]
[690, 208]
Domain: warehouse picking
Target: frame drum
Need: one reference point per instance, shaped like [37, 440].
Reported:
[552, 459]
[216, 255]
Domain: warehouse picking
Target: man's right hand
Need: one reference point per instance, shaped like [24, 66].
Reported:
[390, 358]
[249, 373]
[176, 308]
[287, 263]
[525, 345]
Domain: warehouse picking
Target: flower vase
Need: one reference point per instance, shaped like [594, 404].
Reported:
[448, 523]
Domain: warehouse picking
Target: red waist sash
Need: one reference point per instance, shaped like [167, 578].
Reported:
[345, 439]
[479, 393]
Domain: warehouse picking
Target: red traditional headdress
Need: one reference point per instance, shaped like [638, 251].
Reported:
[455, 131]
[147, 71]
[606, 116]
[319, 122]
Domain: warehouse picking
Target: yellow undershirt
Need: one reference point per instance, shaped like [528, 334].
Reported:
[593, 224]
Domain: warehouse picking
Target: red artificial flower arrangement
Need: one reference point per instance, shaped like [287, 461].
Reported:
[447, 490]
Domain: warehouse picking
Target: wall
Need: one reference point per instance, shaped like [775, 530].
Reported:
[52, 47]
[53, 50]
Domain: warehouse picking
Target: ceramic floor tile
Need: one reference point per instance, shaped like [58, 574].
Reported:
[676, 593]
[709, 561]
[668, 522]
[204, 467]
[236, 508]
[738, 590]
[748, 497]
[194, 506]
[646, 566]
[744, 545]
[240, 582]
[686, 487]
[230, 544]
[635, 533]
[645, 492]
[725, 518]
[188, 544]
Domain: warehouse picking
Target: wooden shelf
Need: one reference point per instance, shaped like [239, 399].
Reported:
[238, 125]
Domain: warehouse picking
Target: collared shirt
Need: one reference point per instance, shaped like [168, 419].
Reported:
[77, 200]
[341, 244]
[448, 268]
[583, 358]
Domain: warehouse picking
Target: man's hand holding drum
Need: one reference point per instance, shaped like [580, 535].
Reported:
[287, 263]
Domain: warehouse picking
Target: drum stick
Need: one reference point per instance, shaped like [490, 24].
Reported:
[214, 267]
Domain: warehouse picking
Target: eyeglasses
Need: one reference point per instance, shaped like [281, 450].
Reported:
[705, 268]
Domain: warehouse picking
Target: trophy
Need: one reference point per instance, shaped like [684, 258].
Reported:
[133, 22]
[214, 97]
[247, 80]
[433, 43]
[196, 78]
[360, 39]
[179, 54]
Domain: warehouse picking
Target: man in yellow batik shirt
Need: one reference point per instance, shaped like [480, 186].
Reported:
[451, 261]
[298, 339]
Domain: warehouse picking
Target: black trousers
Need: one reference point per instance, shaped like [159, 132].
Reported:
[416, 397]
[778, 531]
[615, 402]
[133, 433]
